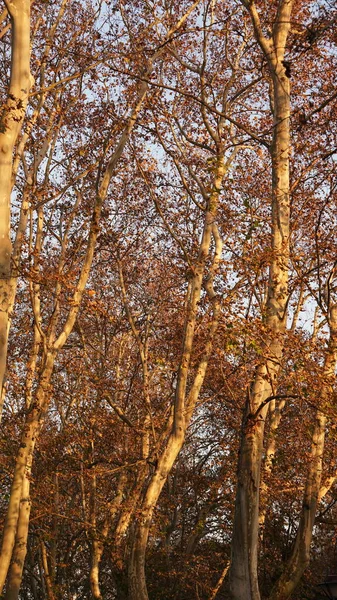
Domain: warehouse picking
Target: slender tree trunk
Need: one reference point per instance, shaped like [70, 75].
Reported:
[184, 406]
[275, 412]
[47, 577]
[128, 512]
[95, 559]
[244, 563]
[24, 458]
[32, 577]
[99, 537]
[97, 543]
[20, 549]
[139, 539]
[10, 126]
[137, 580]
[54, 541]
[300, 555]
[220, 581]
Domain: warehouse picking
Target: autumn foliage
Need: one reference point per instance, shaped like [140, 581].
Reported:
[168, 299]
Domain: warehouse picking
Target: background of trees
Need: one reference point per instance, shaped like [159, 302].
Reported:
[138, 284]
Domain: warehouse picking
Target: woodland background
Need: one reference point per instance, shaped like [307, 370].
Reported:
[168, 299]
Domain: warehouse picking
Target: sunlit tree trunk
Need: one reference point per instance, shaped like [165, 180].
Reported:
[20, 550]
[47, 576]
[10, 125]
[275, 414]
[299, 558]
[24, 458]
[96, 544]
[99, 536]
[137, 580]
[184, 404]
[21, 538]
[244, 564]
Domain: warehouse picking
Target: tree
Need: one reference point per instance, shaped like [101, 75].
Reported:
[244, 579]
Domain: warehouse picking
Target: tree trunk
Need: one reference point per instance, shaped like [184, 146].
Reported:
[95, 559]
[244, 563]
[47, 577]
[183, 404]
[137, 580]
[20, 548]
[220, 581]
[24, 458]
[10, 126]
[300, 555]
[275, 412]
